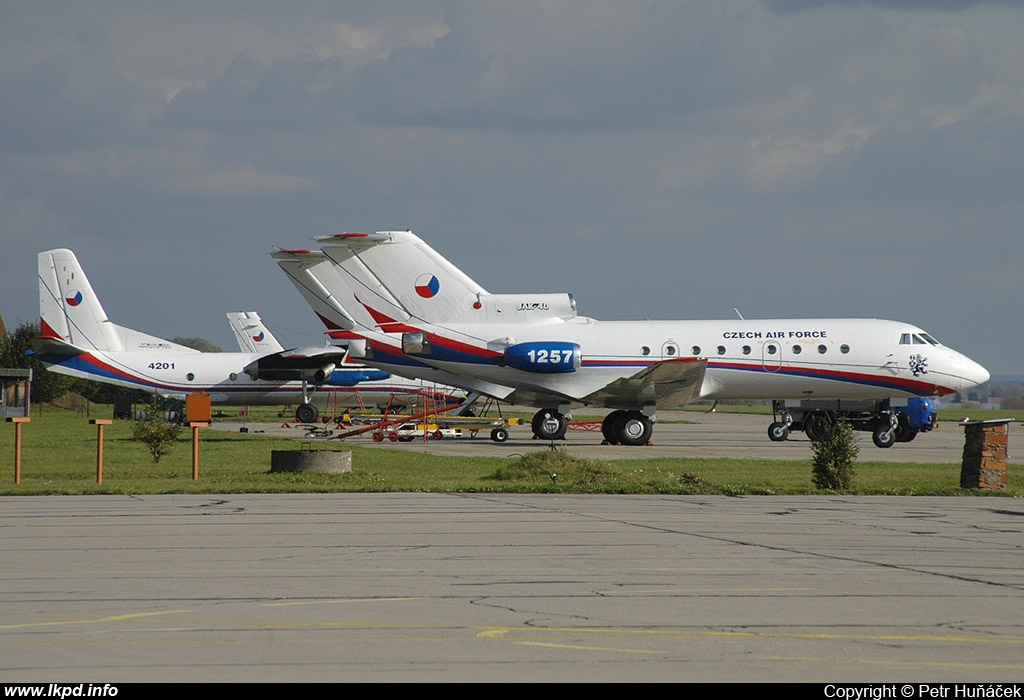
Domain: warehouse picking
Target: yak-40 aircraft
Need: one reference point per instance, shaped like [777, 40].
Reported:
[77, 339]
[407, 310]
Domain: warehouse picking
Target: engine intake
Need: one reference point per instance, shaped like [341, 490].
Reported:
[547, 357]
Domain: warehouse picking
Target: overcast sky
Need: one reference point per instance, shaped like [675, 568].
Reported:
[670, 160]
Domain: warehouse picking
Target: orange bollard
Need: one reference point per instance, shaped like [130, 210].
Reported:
[196, 425]
[99, 423]
[17, 420]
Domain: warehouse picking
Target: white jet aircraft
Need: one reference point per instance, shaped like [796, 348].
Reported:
[77, 339]
[408, 310]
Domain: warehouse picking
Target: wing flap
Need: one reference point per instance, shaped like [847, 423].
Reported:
[667, 384]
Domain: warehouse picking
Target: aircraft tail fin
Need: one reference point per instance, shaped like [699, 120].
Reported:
[400, 279]
[326, 288]
[396, 277]
[70, 311]
[251, 333]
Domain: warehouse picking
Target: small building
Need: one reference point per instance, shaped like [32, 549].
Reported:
[15, 392]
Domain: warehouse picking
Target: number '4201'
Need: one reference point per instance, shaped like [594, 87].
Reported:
[161, 365]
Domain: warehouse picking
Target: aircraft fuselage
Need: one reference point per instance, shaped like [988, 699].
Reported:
[746, 359]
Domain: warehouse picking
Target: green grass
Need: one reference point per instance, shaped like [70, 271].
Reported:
[59, 457]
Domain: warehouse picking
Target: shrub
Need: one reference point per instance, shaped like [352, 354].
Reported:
[834, 457]
[155, 431]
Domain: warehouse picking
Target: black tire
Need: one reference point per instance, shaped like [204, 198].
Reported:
[499, 435]
[883, 436]
[778, 432]
[307, 413]
[815, 426]
[609, 426]
[905, 432]
[634, 429]
[549, 424]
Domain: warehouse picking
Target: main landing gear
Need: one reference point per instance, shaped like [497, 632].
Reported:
[631, 428]
[306, 413]
[549, 424]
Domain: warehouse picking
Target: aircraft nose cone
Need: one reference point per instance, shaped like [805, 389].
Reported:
[973, 373]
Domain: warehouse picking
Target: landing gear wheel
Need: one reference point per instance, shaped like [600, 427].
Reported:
[778, 432]
[306, 413]
[609, 426]
[499, 435]
[905, 432]
[815, 426]
[634, 429]
[883, 436]
[549, 424]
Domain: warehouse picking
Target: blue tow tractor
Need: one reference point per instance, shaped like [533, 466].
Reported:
[888, 420]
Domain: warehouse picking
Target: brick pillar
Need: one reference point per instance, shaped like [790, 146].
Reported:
[985, 454]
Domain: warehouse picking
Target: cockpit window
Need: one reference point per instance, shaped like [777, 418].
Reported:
[921, 338]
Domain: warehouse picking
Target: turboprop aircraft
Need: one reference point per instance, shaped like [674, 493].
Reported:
[76, 338]
[408, 310]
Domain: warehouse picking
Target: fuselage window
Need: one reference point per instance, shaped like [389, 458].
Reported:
[645, 350]
[190, 376]
[721, 349]
[695, 350]
[844, 348]
[822, 349]
[746, 349]
[771, 348]
[797, 349]
[232, 376]
[670, 350]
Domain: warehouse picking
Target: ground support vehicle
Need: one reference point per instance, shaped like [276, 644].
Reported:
[408, 431]
[888, 420]
[431, 423]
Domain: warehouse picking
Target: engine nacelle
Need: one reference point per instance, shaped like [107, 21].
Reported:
[545, 356]
[323, 372]
[272, 369]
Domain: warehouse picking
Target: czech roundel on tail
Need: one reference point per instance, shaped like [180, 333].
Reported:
[77, 339]
[407, 310]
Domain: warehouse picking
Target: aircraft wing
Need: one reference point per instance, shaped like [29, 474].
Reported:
[667, 384]
[312, 363]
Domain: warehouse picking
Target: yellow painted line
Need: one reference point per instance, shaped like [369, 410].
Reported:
[578, 647]
[344, 600]
[98, 620]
